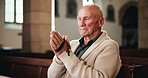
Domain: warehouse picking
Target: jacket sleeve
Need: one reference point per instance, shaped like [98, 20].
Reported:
[56, 69]
[107, 64]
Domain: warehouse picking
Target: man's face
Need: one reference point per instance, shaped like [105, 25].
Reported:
[87, 22]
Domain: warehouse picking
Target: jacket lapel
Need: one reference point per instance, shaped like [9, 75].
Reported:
[75, 45]
[95, 44]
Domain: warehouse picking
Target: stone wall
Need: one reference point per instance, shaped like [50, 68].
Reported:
[143, 24]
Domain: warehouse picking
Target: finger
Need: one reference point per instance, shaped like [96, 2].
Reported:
[67, 41]
[58, 35]
[57, 38]
[54, 39]
[53, 44]
[66, 38]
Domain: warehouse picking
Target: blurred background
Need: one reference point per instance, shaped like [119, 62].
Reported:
[27, 24]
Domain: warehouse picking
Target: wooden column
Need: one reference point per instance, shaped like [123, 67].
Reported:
[36, 26]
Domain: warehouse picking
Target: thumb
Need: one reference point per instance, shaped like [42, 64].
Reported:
[65, 37]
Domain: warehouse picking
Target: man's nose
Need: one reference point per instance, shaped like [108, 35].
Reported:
[81, 22]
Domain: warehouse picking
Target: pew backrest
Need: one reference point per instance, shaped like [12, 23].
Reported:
[24, 67]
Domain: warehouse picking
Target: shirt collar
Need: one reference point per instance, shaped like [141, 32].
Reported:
[91, 41]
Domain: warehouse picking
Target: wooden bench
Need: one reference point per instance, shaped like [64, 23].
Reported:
[136, 57]
[24, 67]
[134, 53]
[30, 65]
[130, 71]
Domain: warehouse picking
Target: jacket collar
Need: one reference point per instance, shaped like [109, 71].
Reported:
[103, 37]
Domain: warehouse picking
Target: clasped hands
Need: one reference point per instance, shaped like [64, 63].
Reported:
[59, 43]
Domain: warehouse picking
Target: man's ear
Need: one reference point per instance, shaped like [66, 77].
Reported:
[101, 22]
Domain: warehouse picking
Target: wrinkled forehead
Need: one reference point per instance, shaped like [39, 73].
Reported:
[85, 12]
[92, 10]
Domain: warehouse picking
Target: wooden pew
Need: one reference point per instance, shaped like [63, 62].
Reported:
[137, 61]
[136, 57]
[47, 55]
[24, 67]
[134, 53]
[30, 65]
[130, 71]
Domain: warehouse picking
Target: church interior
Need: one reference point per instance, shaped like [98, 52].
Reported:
[25, 27]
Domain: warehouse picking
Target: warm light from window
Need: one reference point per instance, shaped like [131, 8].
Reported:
[14, 11]
[19, 11]
[9, 10]
[87, 2]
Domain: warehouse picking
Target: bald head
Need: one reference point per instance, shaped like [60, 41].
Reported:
[90, 20]
[94, 9]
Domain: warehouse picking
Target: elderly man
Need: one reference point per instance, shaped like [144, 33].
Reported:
[94, 55]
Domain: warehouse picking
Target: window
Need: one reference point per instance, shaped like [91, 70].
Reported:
[14, 11]
[110, 13]
[56, 8]
[86, 2]
[71, 8]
